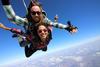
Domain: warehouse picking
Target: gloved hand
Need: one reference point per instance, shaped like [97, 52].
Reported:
[5, 2]
[71, 28]
[17, 31]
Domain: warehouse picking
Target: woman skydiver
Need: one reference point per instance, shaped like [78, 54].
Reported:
[40, 42]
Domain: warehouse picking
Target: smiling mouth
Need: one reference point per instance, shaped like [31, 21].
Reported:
[42, 35]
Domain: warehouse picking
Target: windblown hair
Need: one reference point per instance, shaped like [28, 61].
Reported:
[49, 32]
[32, 3]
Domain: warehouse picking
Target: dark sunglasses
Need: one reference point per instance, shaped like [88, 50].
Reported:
[40, 31]
[34, 13]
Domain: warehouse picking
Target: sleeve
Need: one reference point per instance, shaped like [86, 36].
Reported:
[11, 14]
[5, 2]
[55, 24]
[17, 31]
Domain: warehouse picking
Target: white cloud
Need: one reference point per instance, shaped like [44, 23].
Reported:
[82, 50]
[98, 53]
[81, 64]
[54, 60]
[76, 58]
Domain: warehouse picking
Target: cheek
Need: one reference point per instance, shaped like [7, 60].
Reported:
[47, 33]
[39, 34]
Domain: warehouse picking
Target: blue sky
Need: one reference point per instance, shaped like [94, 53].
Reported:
[85, 14]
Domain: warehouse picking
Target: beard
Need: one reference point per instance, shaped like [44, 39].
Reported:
[36, 19]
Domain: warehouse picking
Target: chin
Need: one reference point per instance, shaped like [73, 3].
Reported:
[43, 38]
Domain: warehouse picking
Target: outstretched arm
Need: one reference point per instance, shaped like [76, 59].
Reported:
[13, 30]
[4, 27]
[54, 24]
[69, 28]
[11, 14]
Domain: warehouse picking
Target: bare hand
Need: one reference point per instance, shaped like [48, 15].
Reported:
[1, 25]
[73, 31]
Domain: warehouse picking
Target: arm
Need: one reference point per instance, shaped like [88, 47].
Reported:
[4, 27]
[11, 14]
[69, 28]
[13, 30]
[55, 24]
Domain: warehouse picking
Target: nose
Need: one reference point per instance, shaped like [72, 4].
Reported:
[42, 32]
[36, 14]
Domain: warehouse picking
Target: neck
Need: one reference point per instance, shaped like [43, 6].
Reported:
[43, 40]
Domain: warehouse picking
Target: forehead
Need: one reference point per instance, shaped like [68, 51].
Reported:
[42, 27]
[35, 8]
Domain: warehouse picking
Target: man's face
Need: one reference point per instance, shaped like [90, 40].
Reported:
[42, 32]
[36, 13]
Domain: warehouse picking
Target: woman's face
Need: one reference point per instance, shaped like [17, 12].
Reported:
[42, 32]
